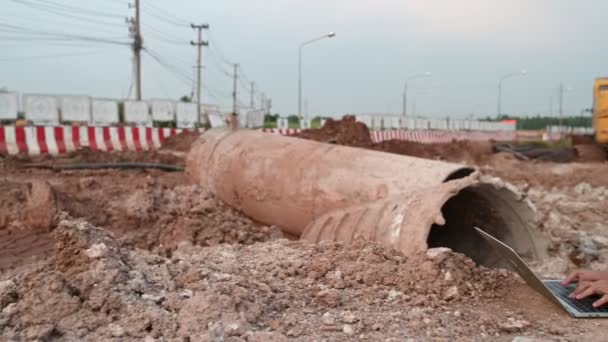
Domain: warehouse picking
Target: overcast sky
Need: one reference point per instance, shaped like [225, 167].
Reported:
[467, 45]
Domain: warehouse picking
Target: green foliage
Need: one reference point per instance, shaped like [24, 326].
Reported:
[541, 122]
[165, 124]
[185, 98]
[121, 111]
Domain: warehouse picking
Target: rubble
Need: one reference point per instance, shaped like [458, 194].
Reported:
[144, 255]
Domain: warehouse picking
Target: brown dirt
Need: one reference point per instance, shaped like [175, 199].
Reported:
[342, 132]
[93, 289]
[180, 142]
[86, 155]
[169, 261]
[146, 209]
[467, 152]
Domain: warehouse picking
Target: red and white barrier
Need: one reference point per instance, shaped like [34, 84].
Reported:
[287, 131]
[435, 137]
[424, 137]
[34, 140]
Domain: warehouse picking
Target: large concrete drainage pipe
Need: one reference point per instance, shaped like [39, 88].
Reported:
[327, 192]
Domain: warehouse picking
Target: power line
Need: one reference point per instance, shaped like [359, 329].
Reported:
[52, 56]
[66, 15]
[161, 16]
[164, 12]
[67, 8]
[179, 74]
[13, 29]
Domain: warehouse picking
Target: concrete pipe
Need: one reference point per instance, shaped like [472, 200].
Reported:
[297, 184]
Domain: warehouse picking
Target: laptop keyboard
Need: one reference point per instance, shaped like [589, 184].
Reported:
[583, 305]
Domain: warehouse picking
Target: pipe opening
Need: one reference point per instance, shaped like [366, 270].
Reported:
[459, 174]
[485, 207]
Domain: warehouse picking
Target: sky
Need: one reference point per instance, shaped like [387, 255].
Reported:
[466, 45]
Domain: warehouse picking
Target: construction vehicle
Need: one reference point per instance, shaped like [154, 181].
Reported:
[600, 110]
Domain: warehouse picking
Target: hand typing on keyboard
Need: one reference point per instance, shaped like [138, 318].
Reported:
[585, 289]
[589, 283]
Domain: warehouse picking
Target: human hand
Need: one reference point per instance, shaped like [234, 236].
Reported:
[578, 276]
[588, 288]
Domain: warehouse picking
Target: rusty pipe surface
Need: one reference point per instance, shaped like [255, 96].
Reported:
[289, 182]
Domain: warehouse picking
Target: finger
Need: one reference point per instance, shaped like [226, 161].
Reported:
[588, 292]
[601, 301]
[572, 277]
[582, 286]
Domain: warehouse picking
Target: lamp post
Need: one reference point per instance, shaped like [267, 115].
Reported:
[562, 90]
[515, 74]
[426, 74]
[328, 35]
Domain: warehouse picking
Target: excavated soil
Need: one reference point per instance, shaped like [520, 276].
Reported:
[144, 255]
[342, 132]
[180, 142]
[91, 288]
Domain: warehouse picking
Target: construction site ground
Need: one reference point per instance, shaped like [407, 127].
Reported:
[144, 254]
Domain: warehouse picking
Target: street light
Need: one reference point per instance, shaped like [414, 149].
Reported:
[562, 90]
[426, 74]
[328, 35]
[515, 74]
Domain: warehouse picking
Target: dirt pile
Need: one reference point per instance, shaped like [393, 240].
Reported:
[94, 289]
[86, 155]
[349, 132]
[148, 210]
[467, 152]
[180, 142]
[545, 174]
[573, 219]
[342, 132]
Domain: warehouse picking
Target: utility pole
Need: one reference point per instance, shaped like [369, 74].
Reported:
[252, 91]
[199, 43]
[234, 89]
[263, 101]
[137, 46]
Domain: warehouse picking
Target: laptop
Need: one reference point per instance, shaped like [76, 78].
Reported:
[551, 289]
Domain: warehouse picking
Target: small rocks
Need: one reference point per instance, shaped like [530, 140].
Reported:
[512, 325]
[583, 188]
[393, 295]
[8, 293]
[451, 293]
[349, 317]
[348, 329]
[186, 293]
[438, 254]
[116, 330]
[97, 251]
[328, 319]
[156, 299]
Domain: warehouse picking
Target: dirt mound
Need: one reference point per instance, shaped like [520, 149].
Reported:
[94, 289]
[573, 220]
[180, 142]
[349, 132]
[590, 153]
[545, 174]
[342, 132]
[468, 152]
[143, 212]
[86, 155]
